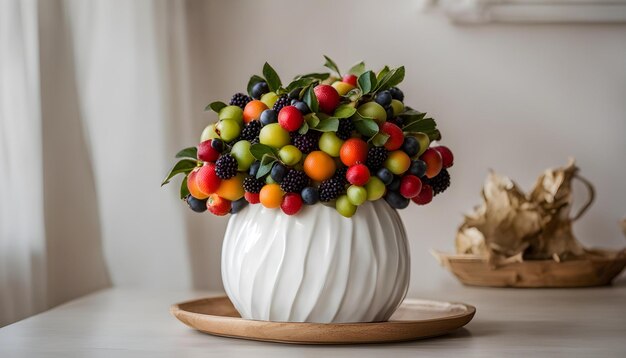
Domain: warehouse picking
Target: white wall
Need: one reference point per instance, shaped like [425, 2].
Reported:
[517, 99]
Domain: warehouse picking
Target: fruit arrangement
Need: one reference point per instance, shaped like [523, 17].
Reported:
[324, 138]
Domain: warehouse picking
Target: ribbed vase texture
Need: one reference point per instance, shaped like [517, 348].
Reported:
[316, 266]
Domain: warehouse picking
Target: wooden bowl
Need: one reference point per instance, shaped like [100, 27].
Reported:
[414, 319]
[598, 269]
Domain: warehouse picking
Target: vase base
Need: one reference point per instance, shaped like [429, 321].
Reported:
[414, 319]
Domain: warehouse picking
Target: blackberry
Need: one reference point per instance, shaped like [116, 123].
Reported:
[340, 174]
[306, 142]
[375, 157]
[294, 181]
[331, 189]
[226, 166]
[250, 131]
[239, 100]
[440, 182]
[252, 184]
[345, 128]
[281, 102]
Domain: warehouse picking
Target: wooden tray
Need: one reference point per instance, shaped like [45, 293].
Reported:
[414, 319]
[599, 269]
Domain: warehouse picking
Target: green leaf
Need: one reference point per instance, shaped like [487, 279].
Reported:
[367, 82]
[328, 125]
[426, 125]
[191, 152]
[304, 128]
[271, 77]
[266, 166]
[317, 76]
[310, 99]
[332, 65]
[382, 73]
[366, 126]
[258, 151]
[183, 166]
[391, 79]
[184, 190]
[344, 111]
[380, 139]
[215, 106]
[253, 80]
[357, 69]
[312, 120]
[412, 116]
[354, 94]
[300, 83]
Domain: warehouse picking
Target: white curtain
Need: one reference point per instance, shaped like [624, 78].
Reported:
[95, 96]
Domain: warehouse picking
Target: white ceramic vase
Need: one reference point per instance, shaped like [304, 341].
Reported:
[316, 266]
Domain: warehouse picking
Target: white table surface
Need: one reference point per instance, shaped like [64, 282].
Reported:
[509, 322]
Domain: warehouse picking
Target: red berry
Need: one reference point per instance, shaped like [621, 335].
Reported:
[206, 153]
[396, 137]
[351, 79]
[291, 204]
[252, 198]
[358, 174]
[290, 118]
[434, 162]
[446, 155]
[425, 196]
[218, 205]
[327, 97]
[410, 186]
[207, 180]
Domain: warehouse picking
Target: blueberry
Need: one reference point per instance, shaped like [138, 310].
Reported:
[389, 111]
[259, 89]
[396, 200]
[396, 93]
[268, 116]
[278, 172]
[418, 168]
[383, 98]
[411, 146]
[294, 101]
[310, 195]
[295, 93]
[196, 205]
[394, 185]
[302, 107]
[384, 175]
[217, 144]
[254, 168]
[237, 205]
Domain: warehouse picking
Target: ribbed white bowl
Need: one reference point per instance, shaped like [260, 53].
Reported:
[316, 266]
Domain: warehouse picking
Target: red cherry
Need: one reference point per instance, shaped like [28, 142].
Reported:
[206, 153]
[446, 156]
[425, 196]
[252, 198]
[396, 137]
[218, 205]
[351, 79]
[291, 204]
[410, 186]
[290, 118]
[327, 97]
[358, 174]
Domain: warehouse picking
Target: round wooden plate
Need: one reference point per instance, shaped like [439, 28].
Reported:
[414, 319]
